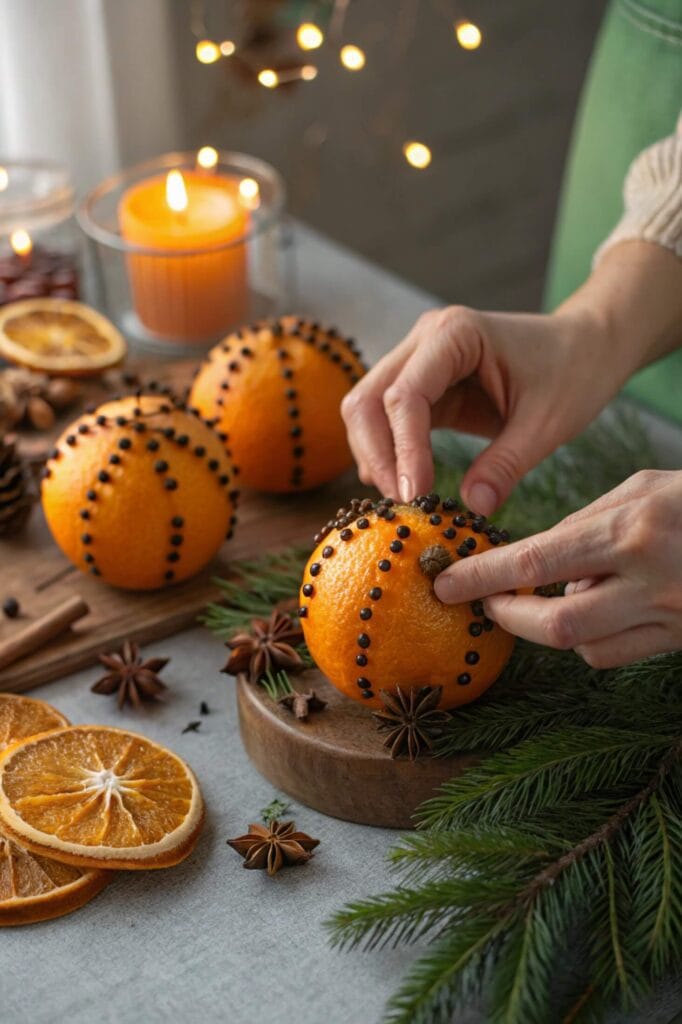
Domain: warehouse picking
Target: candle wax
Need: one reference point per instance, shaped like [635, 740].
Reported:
[187, 295]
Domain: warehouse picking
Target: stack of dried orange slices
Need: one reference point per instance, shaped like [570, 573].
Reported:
[77, 802]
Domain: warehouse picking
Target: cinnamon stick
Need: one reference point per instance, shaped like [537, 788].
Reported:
[44, 629]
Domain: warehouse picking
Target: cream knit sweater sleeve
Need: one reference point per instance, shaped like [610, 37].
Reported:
[653, 198]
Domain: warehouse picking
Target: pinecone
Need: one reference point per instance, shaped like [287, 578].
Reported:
[16, 489]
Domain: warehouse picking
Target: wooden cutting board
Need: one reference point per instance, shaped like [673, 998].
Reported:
[34, 571]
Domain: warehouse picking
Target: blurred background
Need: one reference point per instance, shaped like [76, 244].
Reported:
[110, 83]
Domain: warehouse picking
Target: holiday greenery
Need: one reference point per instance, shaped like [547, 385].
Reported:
[546, 879]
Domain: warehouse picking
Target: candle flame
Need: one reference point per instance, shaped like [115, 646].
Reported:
[20, 241]
[249, 193]
[207, 157]
[176, 191]
[4, 179]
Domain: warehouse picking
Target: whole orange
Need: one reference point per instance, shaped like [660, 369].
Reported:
[369, 613]
[276, 388]
[139, 492]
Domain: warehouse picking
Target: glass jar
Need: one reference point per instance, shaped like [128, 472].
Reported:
[39, 237]
[188, 246]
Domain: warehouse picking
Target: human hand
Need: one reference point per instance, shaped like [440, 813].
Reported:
[623, 556]
[529, 382]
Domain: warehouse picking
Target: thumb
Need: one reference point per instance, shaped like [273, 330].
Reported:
[495, 472]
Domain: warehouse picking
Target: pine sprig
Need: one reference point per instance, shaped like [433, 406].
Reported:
[276, 685]
[538, 773]
[260, 584]
[565, 844]
[501, 932]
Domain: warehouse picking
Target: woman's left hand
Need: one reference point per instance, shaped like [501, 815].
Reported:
[623, 556]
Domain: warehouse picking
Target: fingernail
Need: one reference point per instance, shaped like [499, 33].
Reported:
[406, 489]
[483, 499]
[443, 588]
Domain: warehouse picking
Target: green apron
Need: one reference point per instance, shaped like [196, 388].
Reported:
[631, 98]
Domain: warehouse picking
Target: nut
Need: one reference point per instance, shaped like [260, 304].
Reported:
[40, 413]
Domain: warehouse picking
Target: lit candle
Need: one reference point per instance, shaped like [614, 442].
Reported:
[200, 288]
[20, 240]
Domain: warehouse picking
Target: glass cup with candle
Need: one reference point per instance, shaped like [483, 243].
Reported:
[39, 238]
[199, 240]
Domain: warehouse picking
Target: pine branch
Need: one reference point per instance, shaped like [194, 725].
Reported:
[496, 851]
[540, 772]
[527, 913]
[450, 975]
[655, 930]
[276, 686]
[261, 583]
[408, 913]
[603, 835]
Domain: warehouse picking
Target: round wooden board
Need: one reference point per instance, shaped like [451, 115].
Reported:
[334, 760]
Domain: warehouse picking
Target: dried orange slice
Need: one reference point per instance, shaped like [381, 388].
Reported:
[23, 716]
[34, 888]
[97, 797]
[60, 337]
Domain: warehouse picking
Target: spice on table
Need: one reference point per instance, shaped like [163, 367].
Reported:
[131, 678]
[270, 645]
[204, 708]
[301, 704]
[274, 846]
[411, 719]
[36, 634]
[275, 809]
[17, 494]
[192, 727]
[11, 607]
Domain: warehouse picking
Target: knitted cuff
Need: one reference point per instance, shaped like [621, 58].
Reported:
[653, 198]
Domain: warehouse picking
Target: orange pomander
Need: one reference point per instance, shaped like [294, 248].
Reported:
[369, 613]
[276, 388]
[139, 492]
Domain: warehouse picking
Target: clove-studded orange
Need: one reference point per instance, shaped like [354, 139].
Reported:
[139, 492]
[276, 388]
[369, 613]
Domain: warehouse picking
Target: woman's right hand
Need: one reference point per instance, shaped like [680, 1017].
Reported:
[529, 382]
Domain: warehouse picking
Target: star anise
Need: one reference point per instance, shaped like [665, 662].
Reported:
[303, 703]
[268, 647]
[411, 719]
[274, 846]
[135, 680]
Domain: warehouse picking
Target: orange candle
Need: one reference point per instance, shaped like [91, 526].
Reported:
[189, 295]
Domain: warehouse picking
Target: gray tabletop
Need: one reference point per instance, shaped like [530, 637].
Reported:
[207, 941]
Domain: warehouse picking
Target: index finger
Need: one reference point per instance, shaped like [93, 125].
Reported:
[447, 353]
[564, 552]
[367, 426]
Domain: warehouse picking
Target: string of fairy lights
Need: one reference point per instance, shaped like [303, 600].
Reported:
[311, 37]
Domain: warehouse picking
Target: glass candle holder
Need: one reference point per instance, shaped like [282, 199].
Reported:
[187, 246]
[40, 244]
